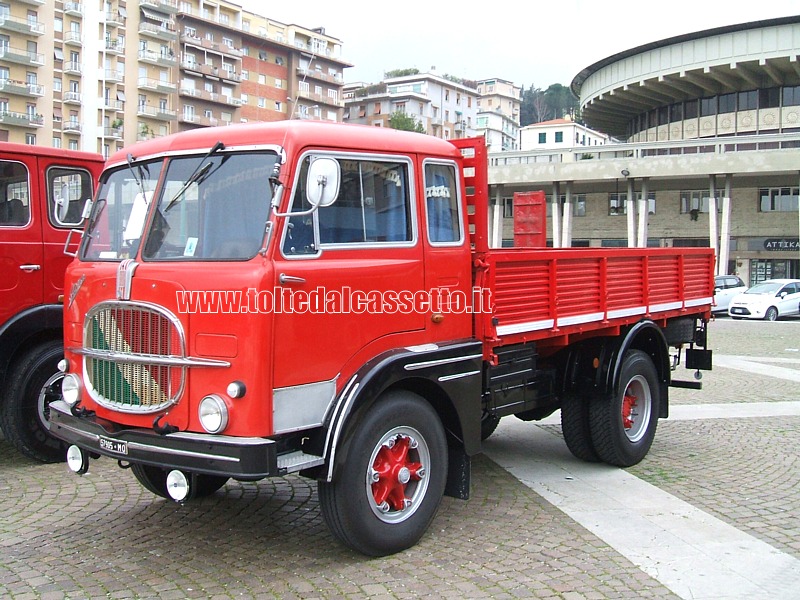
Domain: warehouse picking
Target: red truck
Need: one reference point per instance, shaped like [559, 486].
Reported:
[42, 195]
[318, 298]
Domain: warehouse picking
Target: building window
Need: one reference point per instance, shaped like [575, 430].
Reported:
[262, 79]
[559, 137]
[262, 102]
[279, 83]
[262, 55]
[769, 98]
[694, 202]
[30, 139]
[748, 100]
[778, 199]
[727, 103]
[279, 61]
[278, 106]
[617, 203]
[708, 106]
[56, 142]
[543, 138]
[690, 109]
[791, 95]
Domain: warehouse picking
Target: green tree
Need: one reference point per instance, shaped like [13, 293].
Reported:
[533, 108]
[560, 102]
[400, 120]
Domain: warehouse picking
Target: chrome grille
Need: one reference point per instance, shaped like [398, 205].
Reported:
[130, 355]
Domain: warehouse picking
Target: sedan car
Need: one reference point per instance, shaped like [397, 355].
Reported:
[767, 300]
[725, 288]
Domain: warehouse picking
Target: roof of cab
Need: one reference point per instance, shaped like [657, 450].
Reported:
[292, 134]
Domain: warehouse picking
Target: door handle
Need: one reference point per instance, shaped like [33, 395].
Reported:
[30, 268]
[284, 278]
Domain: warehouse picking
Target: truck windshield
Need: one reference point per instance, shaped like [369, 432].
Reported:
[212, 208]
[116, 223]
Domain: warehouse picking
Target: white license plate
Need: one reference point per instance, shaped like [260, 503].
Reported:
[115, 446]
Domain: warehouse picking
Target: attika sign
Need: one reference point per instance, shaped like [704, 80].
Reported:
[781, 244]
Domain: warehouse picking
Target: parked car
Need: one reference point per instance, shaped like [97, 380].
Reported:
[725, 288]
[767, 300]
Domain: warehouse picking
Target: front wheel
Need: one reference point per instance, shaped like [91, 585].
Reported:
[390, 479]
[34, 383]
[154, 479]
[623, 425]
[771, 314]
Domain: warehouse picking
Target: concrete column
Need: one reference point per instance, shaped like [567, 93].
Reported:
[496, 231]
[725, 233]
[644, 212]
[713, 234]
[566, 229]
[630, 205]
[555, 215]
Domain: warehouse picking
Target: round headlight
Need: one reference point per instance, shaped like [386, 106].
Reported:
[213, 413]
[71, 389]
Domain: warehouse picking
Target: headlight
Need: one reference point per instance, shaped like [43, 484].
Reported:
[71, 389]
[213, 413]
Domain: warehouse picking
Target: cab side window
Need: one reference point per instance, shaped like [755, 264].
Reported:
[67, 191]
[442, 205]
[15, 198]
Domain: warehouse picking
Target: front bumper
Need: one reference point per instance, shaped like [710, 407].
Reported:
[241, 458]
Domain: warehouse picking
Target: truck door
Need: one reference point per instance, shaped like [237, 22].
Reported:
[348, 269]
[21, 254]
[65, 190]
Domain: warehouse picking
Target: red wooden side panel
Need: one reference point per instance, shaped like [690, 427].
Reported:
[555, 293]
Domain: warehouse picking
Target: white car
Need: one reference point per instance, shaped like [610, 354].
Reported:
[725, 288]
[767, 300]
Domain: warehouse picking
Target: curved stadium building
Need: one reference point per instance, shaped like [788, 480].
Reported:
[708, 126]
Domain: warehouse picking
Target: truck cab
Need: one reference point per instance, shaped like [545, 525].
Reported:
[42, 196]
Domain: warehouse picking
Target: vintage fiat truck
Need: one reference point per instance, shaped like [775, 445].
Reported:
[317, 298]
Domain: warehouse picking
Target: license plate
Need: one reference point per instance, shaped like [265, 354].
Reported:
[736, 311]
[115, 446]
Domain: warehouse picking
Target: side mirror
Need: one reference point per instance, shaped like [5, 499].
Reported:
[783, 294]
[322, 182]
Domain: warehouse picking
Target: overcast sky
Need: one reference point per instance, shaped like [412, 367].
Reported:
[537, 43]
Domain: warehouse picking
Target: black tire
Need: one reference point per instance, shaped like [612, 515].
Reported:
[34, 383]
[771, 314]
[575, 427]
[154, 479]
[489, 424]
[622, 433]
[399, 434]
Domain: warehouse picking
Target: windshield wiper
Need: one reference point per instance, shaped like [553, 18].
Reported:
[200, 171]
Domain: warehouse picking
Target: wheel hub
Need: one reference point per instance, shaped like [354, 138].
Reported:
[394, 468]
[628, 404]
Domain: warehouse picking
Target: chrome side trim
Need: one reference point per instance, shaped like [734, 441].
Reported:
[301, 407]
[459, 375]
[441, 361]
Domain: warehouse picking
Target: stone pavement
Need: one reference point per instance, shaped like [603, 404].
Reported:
[102, 535]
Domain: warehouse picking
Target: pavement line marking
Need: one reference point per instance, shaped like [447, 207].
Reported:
[730, 410]
[689, 551]
[753, 365]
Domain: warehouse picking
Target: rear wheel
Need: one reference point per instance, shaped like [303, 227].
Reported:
[623, 425]
[25, 412]
[154, 479]
[576, 429]
[771, 314]
[389, 486]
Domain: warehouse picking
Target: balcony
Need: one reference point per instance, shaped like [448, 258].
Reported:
[113, 133]
[165, 6]
[73, 38]
[210, 70]
[71, 127]
[20, 88]
[209, 45]
[157, 58]
[156, 85]
[72, 67]
[21, 25]
[73, 9]
[202, 121]
[21, 57]
[162, 114]
[114, 76]
[21, 119]
[114, 19]
[321, 99]
[116, 46]
[71, 98]
[315, 74]
[211, 96]
[32, 2]
[109, 104]
[161, 32]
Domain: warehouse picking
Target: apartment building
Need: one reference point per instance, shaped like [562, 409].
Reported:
[498, 114]
[108, 73]
[446, 108]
